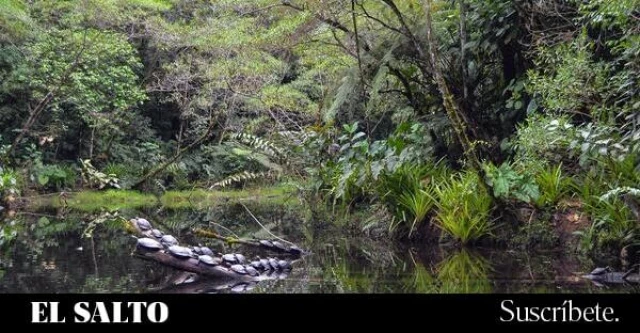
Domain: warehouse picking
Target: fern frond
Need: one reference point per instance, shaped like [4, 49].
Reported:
[346, 89]
[258, 143]
[238, 177]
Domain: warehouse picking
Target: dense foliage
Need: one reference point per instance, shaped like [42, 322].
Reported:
[442, 115]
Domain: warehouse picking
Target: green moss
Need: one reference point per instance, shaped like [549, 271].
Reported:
[119, 199]
[282, 193]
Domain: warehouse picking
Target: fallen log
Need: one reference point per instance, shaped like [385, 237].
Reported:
[264, 244]
[192, 265]
[142, 228]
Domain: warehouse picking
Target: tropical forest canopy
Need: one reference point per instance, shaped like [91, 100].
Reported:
[435, 113]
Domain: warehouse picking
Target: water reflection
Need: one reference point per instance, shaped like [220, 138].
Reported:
[74, 252]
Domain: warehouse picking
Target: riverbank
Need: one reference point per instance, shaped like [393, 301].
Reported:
[90, 201]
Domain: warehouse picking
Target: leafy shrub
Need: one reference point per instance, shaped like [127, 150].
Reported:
[8, 182]
[95, 178]
[55, 176]
[507, 183]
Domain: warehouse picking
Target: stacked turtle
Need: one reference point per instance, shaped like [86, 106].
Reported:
[202, 258]
[277, 246]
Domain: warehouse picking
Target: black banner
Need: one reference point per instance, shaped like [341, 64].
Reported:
[319, 310]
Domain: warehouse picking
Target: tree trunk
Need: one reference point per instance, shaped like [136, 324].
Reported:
[452, 108]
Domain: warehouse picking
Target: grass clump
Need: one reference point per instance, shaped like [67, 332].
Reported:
[407, 192]
[463, 208]
[553, 186]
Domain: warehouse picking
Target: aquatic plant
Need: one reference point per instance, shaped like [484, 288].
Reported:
[464, 272]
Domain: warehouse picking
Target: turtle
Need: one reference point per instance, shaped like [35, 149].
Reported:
[230, 258]
[241, 259]
[295, 250]
[284, 265]
[238, 288]
[600, 270]
[266, 243]
[221, 269]
[238, 269]
[157, 233]
[206, 251]
[279, 246]
[180, 252]
[251, 271]
[256, 264]
[143, 224]
[149, 244]
[168, 240]
[274, 263]
[209, 260]
[265, 264]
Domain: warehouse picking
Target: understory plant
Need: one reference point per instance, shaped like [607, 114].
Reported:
[552, 184]
[509, 183]
[463, 207]
[407, 193]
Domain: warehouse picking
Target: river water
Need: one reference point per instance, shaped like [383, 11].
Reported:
[54, 251]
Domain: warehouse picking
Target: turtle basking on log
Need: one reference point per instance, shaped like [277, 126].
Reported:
[277, 246]
[165, 249]
[602, 276]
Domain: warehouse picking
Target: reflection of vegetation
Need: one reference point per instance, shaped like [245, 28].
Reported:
[464, 272]
[348, 281]
[8, 232]
[461, 272]
[105, 285]
[421, 281]
[358, 267]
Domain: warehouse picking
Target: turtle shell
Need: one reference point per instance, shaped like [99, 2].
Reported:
[273, 263]
[295, 250]
[156, 233]
[599, 270]
[230, 258]
[206, 251]
[209, 260]
[149, 244]
[266, 243]
[279, 246]
[256, 264]
[143, 224]
[238, 269]
[168, 240]
[180, 252]
[251, 271]
[241, 259]
[283, 264]
[265, 264]
[238, 288]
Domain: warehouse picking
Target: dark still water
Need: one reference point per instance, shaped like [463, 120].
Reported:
[48, 251]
